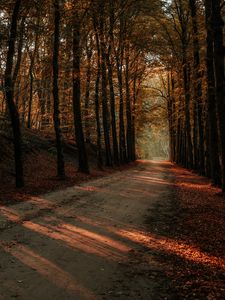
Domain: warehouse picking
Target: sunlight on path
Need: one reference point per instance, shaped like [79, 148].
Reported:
[49, 270]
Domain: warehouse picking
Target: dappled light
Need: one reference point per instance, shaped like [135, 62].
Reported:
[151, 179]
[10, 214]
[196, 186]
[90, 188]
[179, 248]
[97, 237]
[77, 240]
[111, 227]
[48, 270]
[41, 202]
[112, 149]
[98, 244]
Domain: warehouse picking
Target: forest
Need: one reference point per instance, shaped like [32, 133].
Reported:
[116, 100]
[81, 69]
[69, 70]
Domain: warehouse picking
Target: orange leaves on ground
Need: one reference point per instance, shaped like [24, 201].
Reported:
[203, 227]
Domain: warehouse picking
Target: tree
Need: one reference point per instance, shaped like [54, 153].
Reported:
[109, 60]
[217, 24]
[9, 92]
[105, 109]
[119, 55]
[56, 117]
[96, 97]
[82, 155]
[213, 142]
[198, 103]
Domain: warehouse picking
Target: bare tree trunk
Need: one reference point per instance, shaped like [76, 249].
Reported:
[14, 115]
[97, 106]
[30, 102]
[97, 114]
[119, 62]
[31, 75]
[122, 143]
[87, 96]
[186, 82]
[111, 85]
[211, 101]
[197, 87]
[56, 115]
[82, 154]
[217, 27]
[19, 51]
[128, 108]
[170, 116]
[135, 94]
[105, 110]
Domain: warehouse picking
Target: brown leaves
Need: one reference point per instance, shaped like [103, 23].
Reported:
[202, 227]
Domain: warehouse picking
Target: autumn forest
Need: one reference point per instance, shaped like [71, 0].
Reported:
[99, 88]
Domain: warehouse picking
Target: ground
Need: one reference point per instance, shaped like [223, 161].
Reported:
[153, 231]
[40, 167]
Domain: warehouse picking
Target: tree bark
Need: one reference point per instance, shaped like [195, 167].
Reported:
[19, 51]
[170, 115]
[97, 114]
[217, 27]
[186, 83]
[87, 96]
[31, 75]
[211, 101]
[128, 109]
[56, 115]
[9, 93]
[119, 64]
[111, 86]
[105, 110]
[197, 88]
[79, 135]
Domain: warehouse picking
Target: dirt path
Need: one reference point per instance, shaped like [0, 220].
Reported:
[91, 241]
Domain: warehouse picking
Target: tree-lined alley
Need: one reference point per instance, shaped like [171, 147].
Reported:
[95, 97]
[80, 67]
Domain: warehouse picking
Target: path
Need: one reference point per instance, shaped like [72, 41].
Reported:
[89, 242]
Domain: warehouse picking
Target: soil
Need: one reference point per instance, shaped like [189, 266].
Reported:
[129, 235]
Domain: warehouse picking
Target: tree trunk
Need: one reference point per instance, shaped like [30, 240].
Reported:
[187, 146]
[82, 154]
[112, 111]
[87, 96]
[97, 114]
[56, 115]
[30, 102]
[186, 82]
[128, 109]
[170, 115]
[197, 87]
[32, 60]
[105, 110]
[19, 51]
[122, 143]
[134, 119]
[173, 116]
[111, 85]
[211, 101]
[119, 63]
[14, 115]
[217, 27]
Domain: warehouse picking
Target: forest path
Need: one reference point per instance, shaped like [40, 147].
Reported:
[98, 240]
